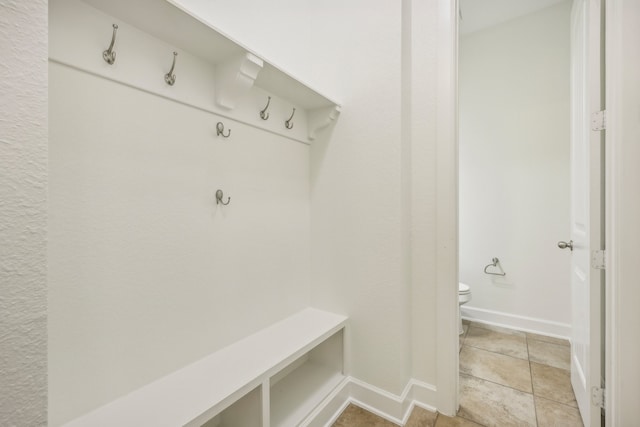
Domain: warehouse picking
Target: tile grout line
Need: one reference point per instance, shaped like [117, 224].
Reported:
[493, 382]
[501, 354]
[464, 340]
[459, 373]
[473, 421]
[547, 364]
[550, 343]
[524, 333]
[533, 390]
[558, 403]
[500, 329]
[497, 352]
[529, 362]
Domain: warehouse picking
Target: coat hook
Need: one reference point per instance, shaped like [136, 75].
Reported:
[263, 114]
[109, 55]
[220, 130]
[219, 196]
[170, 78]
[288, 123]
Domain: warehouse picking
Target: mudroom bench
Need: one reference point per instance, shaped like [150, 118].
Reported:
[273, 378]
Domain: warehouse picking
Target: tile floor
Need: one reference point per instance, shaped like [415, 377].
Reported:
[507, 378]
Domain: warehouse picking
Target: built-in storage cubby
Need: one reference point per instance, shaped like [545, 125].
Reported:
[297, 389]
[273, 378]
[245, 412]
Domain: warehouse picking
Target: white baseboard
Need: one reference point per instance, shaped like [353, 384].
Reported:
[514, 321]
[375, 400]
[331, 407]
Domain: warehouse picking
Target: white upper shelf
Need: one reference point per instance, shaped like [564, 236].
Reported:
[178, 26]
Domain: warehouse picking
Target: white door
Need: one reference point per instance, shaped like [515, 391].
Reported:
[586, 207]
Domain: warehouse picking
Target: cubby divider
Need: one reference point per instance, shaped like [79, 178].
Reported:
[299, 388]
[245, 412]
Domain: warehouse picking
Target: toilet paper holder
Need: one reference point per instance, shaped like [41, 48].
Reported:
[495, 262]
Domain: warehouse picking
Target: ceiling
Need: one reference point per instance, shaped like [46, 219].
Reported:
[481, 14]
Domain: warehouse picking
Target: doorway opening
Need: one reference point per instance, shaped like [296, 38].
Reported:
[515, 203]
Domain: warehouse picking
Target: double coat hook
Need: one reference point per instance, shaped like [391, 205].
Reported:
[220, 130]
[263, 114]
[170, 78]
[109, 55]
[288, 124]
[219, 196]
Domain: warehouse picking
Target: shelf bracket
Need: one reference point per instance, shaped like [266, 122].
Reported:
[320, 118]
[235, 77]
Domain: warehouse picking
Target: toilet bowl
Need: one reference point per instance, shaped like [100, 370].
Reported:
[464, 296]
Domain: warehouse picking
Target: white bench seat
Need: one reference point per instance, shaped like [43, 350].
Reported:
[198, 392]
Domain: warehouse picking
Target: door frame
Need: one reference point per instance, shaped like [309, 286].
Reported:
[447, 206]
[613, 177]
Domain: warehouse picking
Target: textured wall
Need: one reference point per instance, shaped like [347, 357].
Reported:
[514, 165]
[23, 188]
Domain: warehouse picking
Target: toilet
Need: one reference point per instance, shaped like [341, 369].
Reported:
[464, 296]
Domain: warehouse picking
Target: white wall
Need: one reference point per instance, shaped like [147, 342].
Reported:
[357, 258]
[146, 273]
[22, 294]
[375, 257]
[514, 168]
[23, 195]
[419, 168]
[362, 201]
[362, 209]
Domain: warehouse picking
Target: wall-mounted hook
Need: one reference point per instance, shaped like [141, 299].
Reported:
[219, 196]
[109, 55]
[170, 78]
[288, 123]
[220, 130]
[263, 114]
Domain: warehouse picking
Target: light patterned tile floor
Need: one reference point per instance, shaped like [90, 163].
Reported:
[499, 380]
[507, 378]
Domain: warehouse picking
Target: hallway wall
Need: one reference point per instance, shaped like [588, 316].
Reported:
[30, 384]
[132, 245]
[147, 273]
[514, 170]
[356, 196]
[372, 179]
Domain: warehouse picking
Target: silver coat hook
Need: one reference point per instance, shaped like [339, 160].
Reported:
[263, 114]
[288, 123]
[170, 78]
[220, 130]
[219, 196]
[109, 55]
